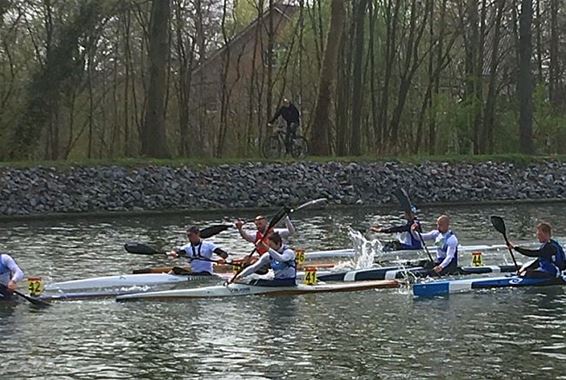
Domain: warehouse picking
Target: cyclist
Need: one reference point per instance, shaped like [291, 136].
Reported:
[290, 114]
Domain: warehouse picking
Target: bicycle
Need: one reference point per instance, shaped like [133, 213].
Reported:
[274, 145]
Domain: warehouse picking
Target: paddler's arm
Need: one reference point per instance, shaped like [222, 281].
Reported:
[287, 255]
[450, 253]
[427, 236]
[546, 251]
[263, 261]
[16, 273]
[290, 228]
[221, 253]
[243, 233]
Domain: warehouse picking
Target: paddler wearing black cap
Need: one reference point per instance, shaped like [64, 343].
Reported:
[408, 239]
[199, 248]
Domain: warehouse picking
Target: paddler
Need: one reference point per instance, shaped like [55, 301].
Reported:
[261, 224]
[10, 275]
[446, 245]
[551, 260]
[408, 238]
[279, 257]
[199, 248]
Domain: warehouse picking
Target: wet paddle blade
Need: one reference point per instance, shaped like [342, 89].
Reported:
[310, 203]
[499, 225]
[141, 249]
[403, 199]
[207, 232]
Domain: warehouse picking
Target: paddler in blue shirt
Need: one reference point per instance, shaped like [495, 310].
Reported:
[446, 246]
[279, 257]
[10, 275]
[408, 239]
[551, 260]
[199, 249]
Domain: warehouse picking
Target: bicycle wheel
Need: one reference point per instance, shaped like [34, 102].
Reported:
[272, 147]
[300, 147]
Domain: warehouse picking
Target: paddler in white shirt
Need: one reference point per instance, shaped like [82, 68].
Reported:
[10, 275]
[446, 246]
[199, 248]
[278, 257]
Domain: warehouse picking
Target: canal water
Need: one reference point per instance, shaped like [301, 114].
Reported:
[378, 334]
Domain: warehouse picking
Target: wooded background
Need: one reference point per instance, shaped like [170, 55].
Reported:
[201, 78]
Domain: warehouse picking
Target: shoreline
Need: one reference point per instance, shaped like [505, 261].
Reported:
[119, 191]
[7, 219]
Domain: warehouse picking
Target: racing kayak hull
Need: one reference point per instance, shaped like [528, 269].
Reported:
[443, 288]
[397, 272]
[129, 280]
[238, 290]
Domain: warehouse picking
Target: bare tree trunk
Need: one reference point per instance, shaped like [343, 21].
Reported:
[525, 79]
[357, 99]
[326, 89]
[554, 77]
[489, 113]
[154, 138]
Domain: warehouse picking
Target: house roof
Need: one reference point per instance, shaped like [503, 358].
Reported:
[286, 10]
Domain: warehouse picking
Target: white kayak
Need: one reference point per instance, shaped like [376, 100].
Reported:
[238, 290]
[349, 252]
[129, 280]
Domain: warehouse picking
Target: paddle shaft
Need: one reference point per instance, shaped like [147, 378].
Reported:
[32, 300]
[511, 252]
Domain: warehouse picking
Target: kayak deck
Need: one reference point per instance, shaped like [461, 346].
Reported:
[238, 290]
[442, 288]
[130, 280]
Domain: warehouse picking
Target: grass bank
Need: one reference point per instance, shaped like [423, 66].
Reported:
[518, 159]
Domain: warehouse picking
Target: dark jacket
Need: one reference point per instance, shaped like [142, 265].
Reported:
[289, 114]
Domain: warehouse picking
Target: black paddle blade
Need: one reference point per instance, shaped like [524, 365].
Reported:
[403, 199]
[207, 232]
[140, 249]
[499, 224]
[277, 218]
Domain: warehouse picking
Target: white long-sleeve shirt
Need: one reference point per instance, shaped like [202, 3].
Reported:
[443, 256]
[283, 232]
[9, 270]
[285, 255]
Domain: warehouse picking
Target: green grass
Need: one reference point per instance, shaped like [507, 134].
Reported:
[518, 159]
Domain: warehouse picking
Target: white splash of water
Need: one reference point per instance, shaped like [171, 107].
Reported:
[364, 250]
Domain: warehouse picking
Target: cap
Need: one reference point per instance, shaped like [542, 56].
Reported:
[193, 230]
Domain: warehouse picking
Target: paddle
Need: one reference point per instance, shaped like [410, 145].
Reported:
[218, 228]
[276, 219]
[32, 300]
[499, 224]
[406, 206]
[142, 249]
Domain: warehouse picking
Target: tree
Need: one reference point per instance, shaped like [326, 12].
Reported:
[153, 134]
[320, 131]
[525, 79]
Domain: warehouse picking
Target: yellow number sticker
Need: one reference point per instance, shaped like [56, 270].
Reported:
[35, 286]
[300, 255]
[310, 276]
[477, 259]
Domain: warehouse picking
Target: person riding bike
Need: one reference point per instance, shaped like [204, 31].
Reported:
[291, 115]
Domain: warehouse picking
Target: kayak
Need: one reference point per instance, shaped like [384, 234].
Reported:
[398, 272]
[349, 252]
[238, 290]
[442, 288]
[129, 280]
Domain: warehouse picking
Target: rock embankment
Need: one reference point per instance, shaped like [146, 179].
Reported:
[47, 190]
